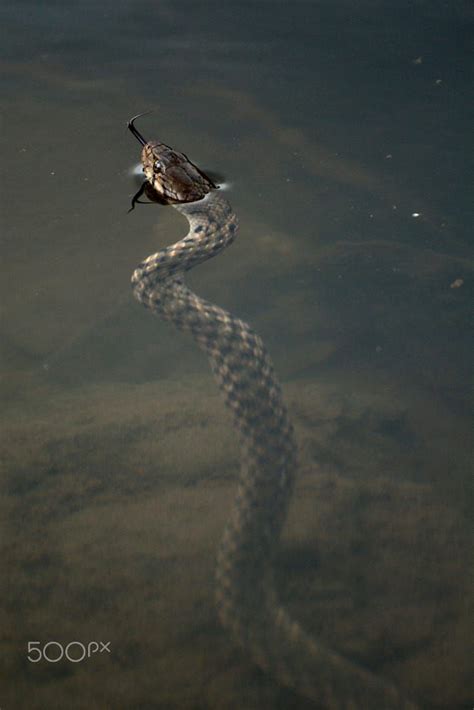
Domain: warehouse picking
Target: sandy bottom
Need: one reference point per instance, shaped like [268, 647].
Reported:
[115, 497]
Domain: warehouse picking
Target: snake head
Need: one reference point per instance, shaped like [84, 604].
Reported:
[171, 174]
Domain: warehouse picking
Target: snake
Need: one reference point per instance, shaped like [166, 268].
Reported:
[247, 602]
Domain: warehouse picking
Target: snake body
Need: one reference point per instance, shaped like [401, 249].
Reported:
[247, 604]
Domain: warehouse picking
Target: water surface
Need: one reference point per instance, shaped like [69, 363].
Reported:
[343, 129]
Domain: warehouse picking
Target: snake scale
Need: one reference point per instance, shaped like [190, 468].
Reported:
[247, 604]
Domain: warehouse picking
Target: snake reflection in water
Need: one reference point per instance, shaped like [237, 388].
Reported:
[247, 603]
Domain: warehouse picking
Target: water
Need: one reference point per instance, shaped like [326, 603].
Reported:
[343, 129]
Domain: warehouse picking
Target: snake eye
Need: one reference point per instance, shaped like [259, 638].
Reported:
[157, 164]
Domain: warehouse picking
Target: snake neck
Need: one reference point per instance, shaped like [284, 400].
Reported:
[212, 227]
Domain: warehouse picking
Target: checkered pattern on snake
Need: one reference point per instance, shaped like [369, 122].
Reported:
[247, 604]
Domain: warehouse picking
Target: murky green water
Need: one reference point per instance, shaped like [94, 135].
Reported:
[343, 129]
